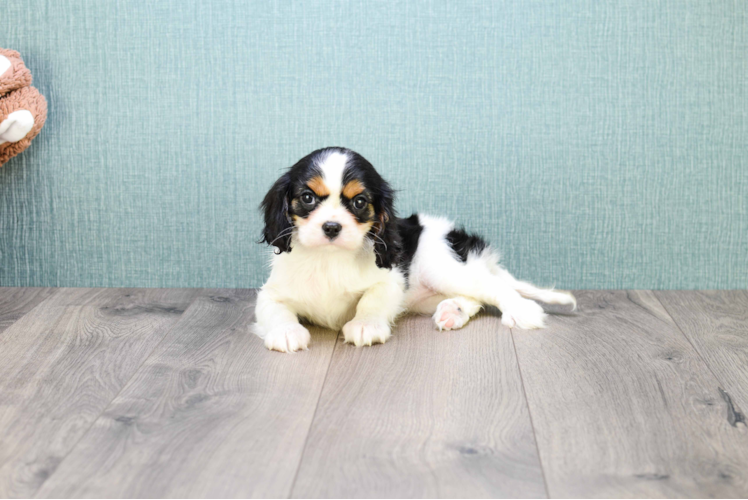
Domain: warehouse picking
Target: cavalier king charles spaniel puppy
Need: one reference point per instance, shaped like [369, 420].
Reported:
[344, 260]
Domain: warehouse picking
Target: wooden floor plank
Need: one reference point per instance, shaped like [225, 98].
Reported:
[60, 366]
[623, 406]
[211, 413]
[716, 323]
[15, 302]
[428, 414]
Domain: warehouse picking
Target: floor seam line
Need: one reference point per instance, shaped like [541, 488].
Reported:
[529, 414]
[93, 422]
[314, 416]
[698, 353]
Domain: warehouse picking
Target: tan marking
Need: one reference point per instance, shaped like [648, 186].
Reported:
[353, 188]
[319, 187]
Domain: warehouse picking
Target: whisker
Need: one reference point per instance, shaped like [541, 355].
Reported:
[283, 233]
[380, 239]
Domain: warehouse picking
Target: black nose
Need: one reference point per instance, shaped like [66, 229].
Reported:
[331, 229]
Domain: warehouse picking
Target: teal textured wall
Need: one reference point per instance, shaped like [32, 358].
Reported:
[596, 143]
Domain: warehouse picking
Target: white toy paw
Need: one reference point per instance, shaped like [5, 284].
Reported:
[288, 338]
[524, 314]
[4, 64]
[16, 126]
[361, 333]
[449, 315]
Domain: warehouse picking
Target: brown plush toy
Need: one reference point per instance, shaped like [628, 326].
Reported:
[23, 110]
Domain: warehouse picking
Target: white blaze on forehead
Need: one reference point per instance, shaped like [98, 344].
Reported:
[332, 167]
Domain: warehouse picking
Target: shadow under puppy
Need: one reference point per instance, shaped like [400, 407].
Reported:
[344, 260]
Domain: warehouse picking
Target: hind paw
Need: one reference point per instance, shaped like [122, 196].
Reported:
[559, 297]
[450, 316]
[524, 314]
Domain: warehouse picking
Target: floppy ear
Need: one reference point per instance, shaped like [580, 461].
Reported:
[387, 244]
[278, 225]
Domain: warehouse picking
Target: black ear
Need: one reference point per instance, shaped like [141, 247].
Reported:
[278, 226]
[387, 243]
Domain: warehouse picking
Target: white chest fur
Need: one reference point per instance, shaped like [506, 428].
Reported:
[323, 285]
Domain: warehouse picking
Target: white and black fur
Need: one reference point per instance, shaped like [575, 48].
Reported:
[344, 260]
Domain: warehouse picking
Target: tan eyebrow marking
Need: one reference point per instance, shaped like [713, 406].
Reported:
[319, 187]
[353, 188]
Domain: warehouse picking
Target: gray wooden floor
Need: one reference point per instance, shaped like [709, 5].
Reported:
[164, 393]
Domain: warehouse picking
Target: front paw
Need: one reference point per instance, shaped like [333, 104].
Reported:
[287, 338]
[523, 313]
[370, 332]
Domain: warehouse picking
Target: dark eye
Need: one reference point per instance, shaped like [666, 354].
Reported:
[308, 199]
[359, 202]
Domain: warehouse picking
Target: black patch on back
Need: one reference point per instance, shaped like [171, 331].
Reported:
[409, 230]
[463, 243]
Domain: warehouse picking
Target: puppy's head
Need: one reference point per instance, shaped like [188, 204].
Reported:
[332, 199]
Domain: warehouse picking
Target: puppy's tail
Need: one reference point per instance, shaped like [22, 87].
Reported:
[530, 291]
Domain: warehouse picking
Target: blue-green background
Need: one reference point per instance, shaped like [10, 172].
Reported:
[596, 143]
